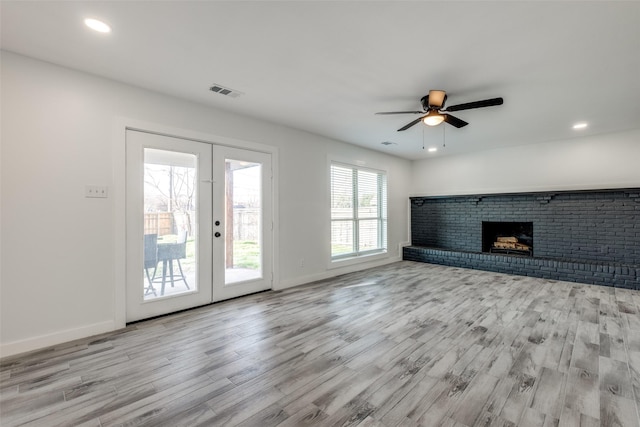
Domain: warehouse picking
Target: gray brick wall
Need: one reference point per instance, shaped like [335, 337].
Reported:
[585, 228]
[595, 273]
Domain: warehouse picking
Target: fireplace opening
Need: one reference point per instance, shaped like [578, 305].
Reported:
[507, 237]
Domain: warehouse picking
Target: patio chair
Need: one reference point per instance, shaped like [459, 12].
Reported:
[150, 260]
[168, 253]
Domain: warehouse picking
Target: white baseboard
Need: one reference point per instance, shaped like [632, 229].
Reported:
[42, 341]
[297, 281]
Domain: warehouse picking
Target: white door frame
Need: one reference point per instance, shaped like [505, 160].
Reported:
[123, 124]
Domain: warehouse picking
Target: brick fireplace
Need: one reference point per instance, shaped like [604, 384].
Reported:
[582, 236]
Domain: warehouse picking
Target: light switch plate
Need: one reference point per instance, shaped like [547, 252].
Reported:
[96, 191]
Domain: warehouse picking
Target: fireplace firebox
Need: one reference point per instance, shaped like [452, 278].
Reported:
[507, 237]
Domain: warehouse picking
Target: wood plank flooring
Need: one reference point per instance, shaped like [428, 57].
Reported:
[406, 344]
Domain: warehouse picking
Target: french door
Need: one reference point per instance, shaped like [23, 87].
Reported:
[199, 226]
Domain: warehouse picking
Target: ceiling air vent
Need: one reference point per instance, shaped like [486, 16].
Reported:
[225, 91]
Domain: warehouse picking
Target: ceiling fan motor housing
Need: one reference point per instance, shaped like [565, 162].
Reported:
[425, 102]
[437, 102]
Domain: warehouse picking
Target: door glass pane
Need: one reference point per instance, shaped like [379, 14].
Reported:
[170, 218]
[243, 219]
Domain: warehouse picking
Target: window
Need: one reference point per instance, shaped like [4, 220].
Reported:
[358, 211]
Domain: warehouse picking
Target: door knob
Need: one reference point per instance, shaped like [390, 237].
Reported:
[217, 234]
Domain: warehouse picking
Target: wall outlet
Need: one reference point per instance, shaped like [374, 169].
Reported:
[96, 191]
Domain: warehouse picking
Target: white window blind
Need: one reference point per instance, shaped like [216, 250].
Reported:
[358, 211]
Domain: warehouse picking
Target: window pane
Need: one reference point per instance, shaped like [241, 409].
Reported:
[367, 194]
[358, 211]
[341, 192]
[341, 238]
[383, 211]
[368, 234]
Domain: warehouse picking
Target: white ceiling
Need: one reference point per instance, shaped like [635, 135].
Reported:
[327, 66]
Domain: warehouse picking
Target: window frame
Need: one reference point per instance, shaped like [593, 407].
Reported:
[355, 218]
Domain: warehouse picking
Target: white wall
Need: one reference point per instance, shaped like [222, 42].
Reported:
[60, 251]
[595, 162]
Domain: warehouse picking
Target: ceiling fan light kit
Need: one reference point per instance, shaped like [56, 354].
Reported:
[434, 112]
[433, 118]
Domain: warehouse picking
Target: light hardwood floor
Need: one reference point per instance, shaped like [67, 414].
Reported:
[402, 345]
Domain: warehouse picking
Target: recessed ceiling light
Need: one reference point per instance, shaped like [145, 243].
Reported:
[96, 25]
[432, 149]
[581, 125]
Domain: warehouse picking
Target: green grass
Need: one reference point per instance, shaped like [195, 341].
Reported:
[246, 254]
[341, 248]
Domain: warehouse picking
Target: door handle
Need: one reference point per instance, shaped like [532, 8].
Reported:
[217, 234]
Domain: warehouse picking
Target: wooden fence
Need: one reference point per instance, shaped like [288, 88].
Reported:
[159, 223]
[246, 223]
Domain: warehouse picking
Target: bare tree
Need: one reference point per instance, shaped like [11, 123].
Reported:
[176, 188]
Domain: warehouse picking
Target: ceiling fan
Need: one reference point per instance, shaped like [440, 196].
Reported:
[434, 112]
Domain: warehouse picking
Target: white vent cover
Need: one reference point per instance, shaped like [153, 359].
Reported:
[225, 91]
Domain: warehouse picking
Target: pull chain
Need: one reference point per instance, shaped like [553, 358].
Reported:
[444, 139]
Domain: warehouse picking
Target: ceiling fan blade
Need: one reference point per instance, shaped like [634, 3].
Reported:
[477, 104]
[408, 125]
[401, 112]
[454, 121]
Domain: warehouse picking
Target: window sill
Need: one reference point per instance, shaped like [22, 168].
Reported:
[344, 262]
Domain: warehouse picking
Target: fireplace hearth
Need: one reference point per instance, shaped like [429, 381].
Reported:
[515, 238]
[580, 236]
